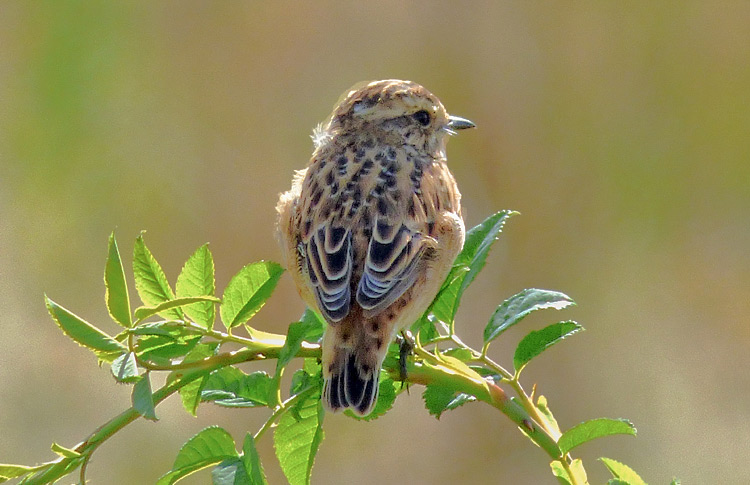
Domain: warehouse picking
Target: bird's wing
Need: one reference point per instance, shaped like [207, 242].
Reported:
[329, 266]
[392, 264]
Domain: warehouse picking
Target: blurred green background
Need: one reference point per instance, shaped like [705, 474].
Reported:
[620, 131]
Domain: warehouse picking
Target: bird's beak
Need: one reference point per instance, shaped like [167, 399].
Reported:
[458, 123]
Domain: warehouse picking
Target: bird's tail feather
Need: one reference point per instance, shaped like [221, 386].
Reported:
[351, 385]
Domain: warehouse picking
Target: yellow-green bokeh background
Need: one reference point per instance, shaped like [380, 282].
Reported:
[620, 130]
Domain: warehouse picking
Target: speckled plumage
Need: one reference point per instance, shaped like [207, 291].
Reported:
[370, 229]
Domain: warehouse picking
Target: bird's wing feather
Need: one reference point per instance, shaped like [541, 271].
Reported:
[392, 265]
[329, 266]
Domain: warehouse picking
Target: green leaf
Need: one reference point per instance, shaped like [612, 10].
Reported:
[116, 296]
[541, 405]
[150, 280]
[191, 392]
[125, 368]
[537, 341]
[297, 438]
[142, 399]
[477, 245]
[144, 312]
[471, 260]
[230, 387]
[426, 326]
[306, 378]
[467, 265]
[210, 446]
[173, 330]
[460, 353]
[562, 476]
[251, 459]
[161, 350]
[64, 452]
[595, 428]
[518, 306]
[230, 472]
[439, 398]
[676, 481]
[444, 305]
[248, 291]
[309, 328]
[197, 279]
[15, 471]
[622, 472]
[105, 347]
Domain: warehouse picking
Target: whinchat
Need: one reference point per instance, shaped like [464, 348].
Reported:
[370, 229]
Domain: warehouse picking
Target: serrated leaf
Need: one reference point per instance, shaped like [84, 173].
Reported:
[251, 459]
[230, 387]
[306, 378]
[230, 472]
[144, 312]
[161, 350]
[537, 341]
[15, 471]
[518, 306]
[210, 446]
[142, 399]
[426, 326]
[297, 438]
[590, 430]
[191, 392]
[248, 291]
[116, 295]
[64, 452]
[197, 279]
[562, 476]
[150, 281]
[309, 328]
[460, 353]
[467, 265]
[622, 472]
[125, 368]
[301, 381]
[173, 330]
[477, 245]
[105, 347]
[439, 398]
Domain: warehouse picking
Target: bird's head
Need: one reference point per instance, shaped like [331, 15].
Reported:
[396, 112]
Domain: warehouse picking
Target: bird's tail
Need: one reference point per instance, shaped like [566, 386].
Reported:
[351, 373]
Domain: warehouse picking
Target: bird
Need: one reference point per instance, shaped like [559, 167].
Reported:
[371, 227]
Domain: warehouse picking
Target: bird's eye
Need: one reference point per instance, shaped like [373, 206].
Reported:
[422, 117]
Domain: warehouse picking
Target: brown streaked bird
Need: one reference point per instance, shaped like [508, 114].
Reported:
[370, 229]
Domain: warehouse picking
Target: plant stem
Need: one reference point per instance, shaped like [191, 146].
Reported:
[424, 373]
[63, 466]
[573, 477]
[278, 411]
